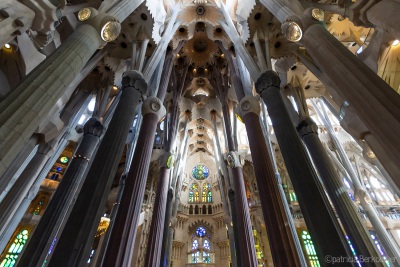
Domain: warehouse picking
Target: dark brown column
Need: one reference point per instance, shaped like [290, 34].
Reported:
[73, 246]
[119, 249]
[49, 224]
[318, 214]
[279, 234]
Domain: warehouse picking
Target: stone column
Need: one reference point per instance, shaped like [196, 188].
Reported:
[119, 250]
[361, 87]
[50, 223]
[283, 247]
[14, 197]
[23, 109]
[74, 244]
[360, 192]
[7, 179]
[246, 239]
[283, 243]
[345, 208]
[155, 240]
[173, 197]
[318, 214]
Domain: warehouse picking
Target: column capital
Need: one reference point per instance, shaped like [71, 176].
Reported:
[233, 159]
[93, 126]
[249, 104]
[166, 160]
[106, 25]
[153, 105]
[135, 80]
[307, 126]
[268, 79]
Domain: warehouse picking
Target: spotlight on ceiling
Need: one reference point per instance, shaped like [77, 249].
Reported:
[395, 42]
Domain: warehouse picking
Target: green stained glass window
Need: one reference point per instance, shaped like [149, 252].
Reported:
[64, 160]
[310, 249]
[39, 206]
[200, 172]
[15, 249]
[194, 193]
[206, 195]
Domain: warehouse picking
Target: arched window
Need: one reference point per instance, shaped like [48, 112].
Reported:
[194, 193]
[39, 206]
[191, 209]
[206, 244]
[15, 248]
[195, 244]
[206, 195]
[309, 246]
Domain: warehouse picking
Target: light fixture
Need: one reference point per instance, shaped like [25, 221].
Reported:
[370, 154]
[84, 14]
[115, 88]
[318, 14]
[395, 42]
[8, 46]
[110, 31]
[177, 55]
[292, 31]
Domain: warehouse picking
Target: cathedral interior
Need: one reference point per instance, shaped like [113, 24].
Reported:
[195, 133]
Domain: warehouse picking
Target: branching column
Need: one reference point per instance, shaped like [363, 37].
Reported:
[318, 214]
[48, 226]
[74, 244]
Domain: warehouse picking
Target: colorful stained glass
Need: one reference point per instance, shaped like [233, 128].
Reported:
[206, 244]
[15, 249]
[200, 172]
[201, 231]
[310, 249]
[206, 195]
[64, 160]
[195, 244]
[194, 193]
[39, 206]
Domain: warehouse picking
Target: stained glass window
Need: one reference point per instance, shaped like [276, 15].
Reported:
[200, 172]
[195, 244]
[309, 246]
[206, 244]
[194, 193]
[196, 257]
[200, 232]
[15, 249]
[206, 257]
[64, 160]
[39, 206]
[206, 196]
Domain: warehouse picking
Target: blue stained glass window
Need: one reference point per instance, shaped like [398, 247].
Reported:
[195, 244]
[200, 172]
[59, 169]
[200, 232]
[206, 244]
